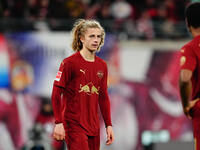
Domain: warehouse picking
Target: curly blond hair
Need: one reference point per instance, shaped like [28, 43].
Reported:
[79, 29]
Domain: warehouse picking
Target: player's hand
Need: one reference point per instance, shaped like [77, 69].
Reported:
[59, 132]
[187, 110]
[110, 135]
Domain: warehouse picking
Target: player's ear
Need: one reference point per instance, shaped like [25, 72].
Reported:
[82, 38]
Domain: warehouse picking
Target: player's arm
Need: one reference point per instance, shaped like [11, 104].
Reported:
[60, 83]
[59, 132]
[104, 104]
[185, 86]
[188, 64]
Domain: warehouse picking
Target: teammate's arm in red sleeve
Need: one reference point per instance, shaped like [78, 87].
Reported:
[188, 59]
[188, 64]
[104, 101]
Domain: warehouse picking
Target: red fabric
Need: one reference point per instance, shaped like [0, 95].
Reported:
[196, 120]
[85, 86]
[77, 139]
[197, 143]
[191, 52]
[57, 103]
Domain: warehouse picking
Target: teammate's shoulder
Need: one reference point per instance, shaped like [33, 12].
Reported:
[193, 43]
[187, 47]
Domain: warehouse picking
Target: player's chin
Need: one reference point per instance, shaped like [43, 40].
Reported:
[92, 50]
[59, 139]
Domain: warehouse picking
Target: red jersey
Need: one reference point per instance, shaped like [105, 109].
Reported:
[190, 59]
[84, 86]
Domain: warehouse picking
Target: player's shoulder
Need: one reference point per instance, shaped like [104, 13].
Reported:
[70, 58]
[187, 47]
[193, 44]
[100, 60]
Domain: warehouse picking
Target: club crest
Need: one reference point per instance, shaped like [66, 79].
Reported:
[100, 74]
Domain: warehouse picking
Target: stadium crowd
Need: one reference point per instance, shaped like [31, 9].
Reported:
[102, 9]
[145, 19]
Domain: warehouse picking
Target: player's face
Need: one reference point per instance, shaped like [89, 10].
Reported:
[92, 39]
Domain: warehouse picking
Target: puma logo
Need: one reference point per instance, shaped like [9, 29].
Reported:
[83, 71]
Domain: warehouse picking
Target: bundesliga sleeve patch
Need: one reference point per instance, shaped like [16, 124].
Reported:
[58, 76]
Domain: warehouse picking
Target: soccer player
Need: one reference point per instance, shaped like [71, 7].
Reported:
[80, 86]
[189, 81]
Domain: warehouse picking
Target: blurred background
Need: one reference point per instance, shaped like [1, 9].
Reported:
[141, 50]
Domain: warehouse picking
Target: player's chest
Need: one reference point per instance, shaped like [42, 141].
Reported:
[92, 72]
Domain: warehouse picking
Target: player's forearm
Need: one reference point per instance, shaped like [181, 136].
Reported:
[185, 91]
[104, 101]
[104, 104]
[56, 103]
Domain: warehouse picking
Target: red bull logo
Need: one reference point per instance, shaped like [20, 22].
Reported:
[89, 89]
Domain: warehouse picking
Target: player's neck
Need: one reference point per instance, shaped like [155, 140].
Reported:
[88, 55]
[195, 31]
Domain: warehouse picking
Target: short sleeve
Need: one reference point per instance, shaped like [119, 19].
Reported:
[63, 75]
[187, 58]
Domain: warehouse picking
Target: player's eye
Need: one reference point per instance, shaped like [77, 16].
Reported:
[91, 36]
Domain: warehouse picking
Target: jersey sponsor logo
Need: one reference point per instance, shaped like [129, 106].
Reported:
[100, 74]
[84, 88]
[94, 90]
[58, 76]
[182, 60]
[83, 71]
[89, 89]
